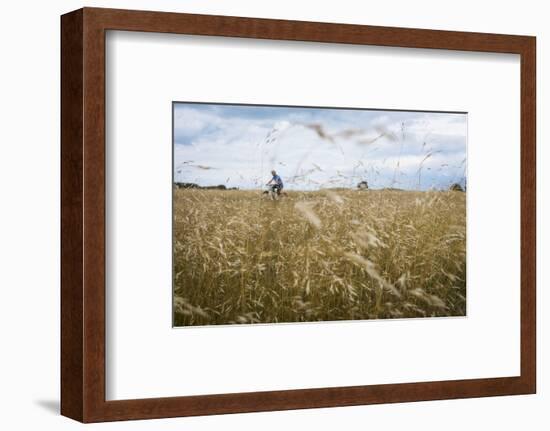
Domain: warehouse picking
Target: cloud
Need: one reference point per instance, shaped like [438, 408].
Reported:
[312, 148]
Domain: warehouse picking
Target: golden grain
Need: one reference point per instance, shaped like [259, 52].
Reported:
[317, 256]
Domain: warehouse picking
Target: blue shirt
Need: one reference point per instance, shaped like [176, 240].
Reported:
[277, 180]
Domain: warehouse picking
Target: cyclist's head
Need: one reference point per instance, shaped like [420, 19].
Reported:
[273, 172]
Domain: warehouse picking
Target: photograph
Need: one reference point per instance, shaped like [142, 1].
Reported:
[305, 214]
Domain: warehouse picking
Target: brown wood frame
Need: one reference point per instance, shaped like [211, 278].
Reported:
[83, 214]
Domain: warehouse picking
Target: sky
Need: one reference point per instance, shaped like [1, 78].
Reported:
[313, 148]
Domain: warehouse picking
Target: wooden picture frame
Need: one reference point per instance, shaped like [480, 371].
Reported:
[83, 335]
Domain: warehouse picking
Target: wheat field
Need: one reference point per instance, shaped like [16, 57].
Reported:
[317, 256]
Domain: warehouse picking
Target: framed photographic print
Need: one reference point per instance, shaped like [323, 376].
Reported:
[274, 220]
[266, 215]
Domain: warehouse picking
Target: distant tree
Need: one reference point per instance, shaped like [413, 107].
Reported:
[456, 187]
[187, 186]
[362, 185]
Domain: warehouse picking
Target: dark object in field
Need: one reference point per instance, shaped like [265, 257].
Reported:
[362, 185]
[456, 187]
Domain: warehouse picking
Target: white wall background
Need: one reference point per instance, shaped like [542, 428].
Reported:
[29, 215]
